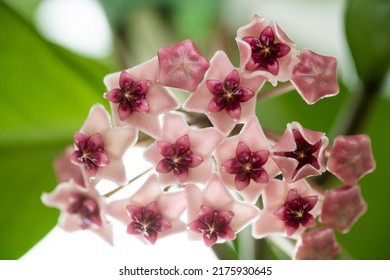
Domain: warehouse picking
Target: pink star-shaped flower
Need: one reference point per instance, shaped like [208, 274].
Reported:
[97, 149]
[265, 50]
[243, 161]
[150, 213]
[318, 244]
[183, 154]
[81, 208]
[315, 76]
[214, 215]
[300, 152]
[182, 65]
[351, 158]
[280, 199]
[137, 98]
[224, 95]
[342, 207]
[66, 170]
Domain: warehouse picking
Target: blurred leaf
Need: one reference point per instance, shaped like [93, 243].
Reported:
[368, 34]
[46, 93]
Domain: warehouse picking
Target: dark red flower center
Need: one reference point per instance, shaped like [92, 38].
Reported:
[131, 95]
[228, 95]
[265, 52]
[213, 224]
[178, 158]
[147, 221]
[90, 152]
[304, 152]
[247, 166]
[295, 211]
[86, 208]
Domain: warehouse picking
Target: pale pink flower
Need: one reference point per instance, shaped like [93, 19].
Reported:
[342, 207]
[266, 50]
[81, 208]
[183, 154]
[351, 158]
[182, 65]
[214, 215]
[315, 76]
[137, 98]
[97, 149]
[66, 170]
[224, 95]
[289, 208]
[243, 160]
[150, 213]
[318, 244]
[300, 152]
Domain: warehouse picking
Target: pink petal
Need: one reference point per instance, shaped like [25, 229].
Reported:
[232, 166]
[310, 201]
[141, 87]
[309, 222]
[242, 181]
[259, 158]
[124, 111]
[142, 106]
[243, 152]
[100, 159]
[165, 148]
[125, 80]
[80, 140]
[267, 36]
[195, 160]
[181, 174]
[229, 234]
[260, 176]
[151, 237]
[215, 86]
[182, 144]
[115, 95]
[209, 241]
[272, 66]
[232, 80]
[292, 195]
[245, 94]
[234, 111]
[182, 65]
[291, 229]
[134, 228]
[164, 166]
[216, 105]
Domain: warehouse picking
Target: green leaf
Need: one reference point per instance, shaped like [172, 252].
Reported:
[46, 93]
[368, 34]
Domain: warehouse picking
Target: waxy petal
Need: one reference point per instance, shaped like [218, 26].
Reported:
[115, 95]
[182, 145]
[351, 158]
[182, 65]
[315, 76]
[165, 148]
[318, 244]
[232, 166]
[215, 86]
[125, 81]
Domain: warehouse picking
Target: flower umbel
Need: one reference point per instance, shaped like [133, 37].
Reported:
[295, 211]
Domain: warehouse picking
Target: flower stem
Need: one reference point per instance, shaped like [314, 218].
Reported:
[275, 91]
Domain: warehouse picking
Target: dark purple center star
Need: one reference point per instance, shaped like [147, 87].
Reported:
[295, 211]
[213, 224]
[228, 95]
[131, 96]
[304, 152]
[86, 208]
[147, 221]
[265, 52]
[178, 158]
[89, 153]
[247, 166]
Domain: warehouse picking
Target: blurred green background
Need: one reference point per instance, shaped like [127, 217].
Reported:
[46, 89]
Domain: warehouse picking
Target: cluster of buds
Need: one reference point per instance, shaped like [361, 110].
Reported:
[212, 181]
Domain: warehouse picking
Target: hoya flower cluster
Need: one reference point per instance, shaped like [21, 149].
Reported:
[207, 180]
